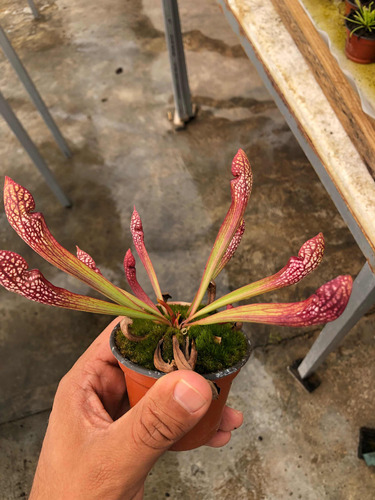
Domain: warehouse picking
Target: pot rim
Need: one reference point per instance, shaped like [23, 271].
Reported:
[156, 374]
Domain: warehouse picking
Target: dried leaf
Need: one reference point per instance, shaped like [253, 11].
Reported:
[181, 362]
[192, 360]
[159, 362]
[211, 292]
[187, 350]
[126, 330]
[166, 297]
[238, 325]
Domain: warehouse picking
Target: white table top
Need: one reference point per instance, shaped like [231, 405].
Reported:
[296, 83]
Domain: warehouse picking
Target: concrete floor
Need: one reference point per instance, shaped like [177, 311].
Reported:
[292, 444]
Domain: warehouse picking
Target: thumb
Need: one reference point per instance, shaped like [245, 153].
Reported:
[172, 407]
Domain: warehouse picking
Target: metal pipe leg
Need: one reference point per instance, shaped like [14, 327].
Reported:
[361, 300]
[34, 94]
[32, 151]
[34, 10]
[184, 109]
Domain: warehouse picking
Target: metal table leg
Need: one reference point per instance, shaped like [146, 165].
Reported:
[184, 109]
[34, 10]
[362, 298]
[34, 94]
[32, 151]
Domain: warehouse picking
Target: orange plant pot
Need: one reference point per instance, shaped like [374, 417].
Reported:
[359, 49]
[139, 380]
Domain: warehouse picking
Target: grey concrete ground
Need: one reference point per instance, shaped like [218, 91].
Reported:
[292, 444]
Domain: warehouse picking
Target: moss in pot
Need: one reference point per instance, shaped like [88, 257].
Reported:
[143, 362]
[166, 337]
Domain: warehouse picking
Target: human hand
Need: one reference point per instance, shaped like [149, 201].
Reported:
[95, 449]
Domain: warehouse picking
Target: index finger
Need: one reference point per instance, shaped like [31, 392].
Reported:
[100, 348]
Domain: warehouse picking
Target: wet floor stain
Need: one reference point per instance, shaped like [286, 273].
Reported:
[197, 41]
[32, 34]
[234, 102]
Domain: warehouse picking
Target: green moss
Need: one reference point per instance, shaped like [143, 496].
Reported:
[212, 356]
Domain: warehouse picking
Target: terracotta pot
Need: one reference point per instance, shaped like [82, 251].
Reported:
[139, 380]
[359, 49]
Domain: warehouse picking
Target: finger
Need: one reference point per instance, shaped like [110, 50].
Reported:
[99, 378]
[139, 495]
[231, 419]
[100, 348]
[221, 438]
[171, 408]
[112, 392]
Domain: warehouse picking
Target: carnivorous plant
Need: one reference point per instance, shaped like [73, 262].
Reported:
[363, 18]
[326, 304]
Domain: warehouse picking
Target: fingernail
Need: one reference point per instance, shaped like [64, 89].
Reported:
[188, 397]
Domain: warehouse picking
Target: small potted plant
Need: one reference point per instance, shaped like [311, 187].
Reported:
[156, 337]
[360, 38]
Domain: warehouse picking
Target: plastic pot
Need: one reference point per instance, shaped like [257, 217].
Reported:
[139, 380]
[360, 49]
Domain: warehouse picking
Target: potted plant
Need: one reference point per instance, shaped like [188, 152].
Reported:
[360, 37]
[155, 337]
